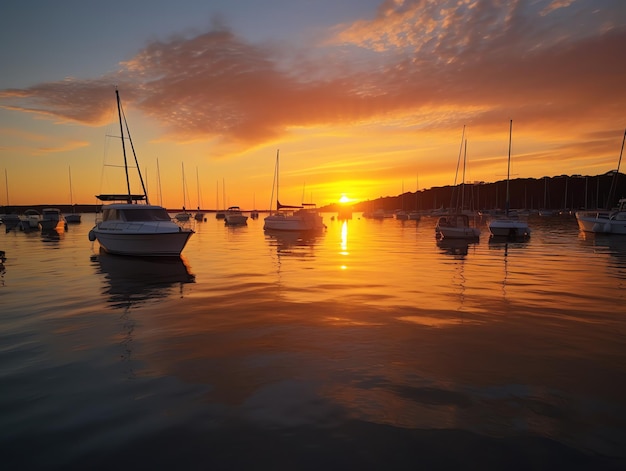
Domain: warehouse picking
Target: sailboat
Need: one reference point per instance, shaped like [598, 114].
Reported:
[73, 217]
[130, 225]
[185, 215]
[199, 216]
[606, 221]
[457, 224]
[254, 214]
[510, 225]
[292, 218]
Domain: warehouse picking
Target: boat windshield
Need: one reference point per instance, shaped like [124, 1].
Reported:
[144, 214]
[135, 215]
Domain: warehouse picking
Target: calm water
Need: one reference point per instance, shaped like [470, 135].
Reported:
[369, 345]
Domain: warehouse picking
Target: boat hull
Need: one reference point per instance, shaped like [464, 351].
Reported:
[156, 244]
[601, 223]
[459, 232]
[296, 222]
[72, 218]
[509, 228]
[236, 220]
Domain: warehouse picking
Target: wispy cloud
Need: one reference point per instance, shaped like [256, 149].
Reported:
[549, 63]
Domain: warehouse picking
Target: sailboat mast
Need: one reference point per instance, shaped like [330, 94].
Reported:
[276, 177]
[119, 113]
[463, 181]
[508, 171]
[6, 185]
[159, 179]
[614, 180]
[70, 176]
[182, 166]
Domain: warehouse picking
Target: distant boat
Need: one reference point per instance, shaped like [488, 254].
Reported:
[510, 225]
[606, 221]
[73, 217]
[135, 229]
[234, 217]
[220, 214]
[184, 215]
[31, 219]
[52, 220]
[292, 218]
[199, 216]
[254, 214]
[457, 225]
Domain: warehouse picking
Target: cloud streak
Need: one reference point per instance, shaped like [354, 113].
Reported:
[436, 63]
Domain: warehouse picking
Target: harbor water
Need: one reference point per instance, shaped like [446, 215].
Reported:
[371, 345]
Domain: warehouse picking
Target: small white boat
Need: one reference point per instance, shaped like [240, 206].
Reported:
[510, 226]
[132, 228]
[234, 217]
[604, 222]
[456, 226]
[293, 218]
[31, 219]
[52, 220]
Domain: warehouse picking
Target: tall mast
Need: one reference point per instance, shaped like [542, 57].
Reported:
[119, 113]
[614, 180]
[508, 171]
[69, 169]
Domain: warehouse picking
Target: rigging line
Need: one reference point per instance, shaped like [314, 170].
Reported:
[143, 186]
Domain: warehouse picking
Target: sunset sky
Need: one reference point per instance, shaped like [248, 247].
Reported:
[363, 98]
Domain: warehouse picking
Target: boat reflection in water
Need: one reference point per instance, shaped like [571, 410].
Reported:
[52, 235]
[296, 243]
[139, 279]
[456, 247]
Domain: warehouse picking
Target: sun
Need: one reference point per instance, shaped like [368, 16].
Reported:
[344, 199]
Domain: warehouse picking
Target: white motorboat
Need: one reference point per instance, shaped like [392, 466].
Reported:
[604, 222]
[133, 226]
[234, 217]
[52, 220]
[293, 218]
[510, 226]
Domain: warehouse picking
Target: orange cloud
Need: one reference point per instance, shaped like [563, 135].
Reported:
[557, 66]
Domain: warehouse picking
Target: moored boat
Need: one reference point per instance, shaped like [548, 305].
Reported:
[52, 220]
[456, 226]
[130, 225]
[293, 218]
[603, 222]
[234, 217]
[606, 221]
[509, 226]
[31, 219]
